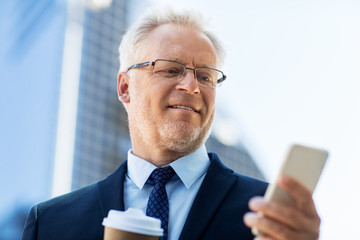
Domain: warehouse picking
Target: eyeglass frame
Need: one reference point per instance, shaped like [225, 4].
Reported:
[152, 63]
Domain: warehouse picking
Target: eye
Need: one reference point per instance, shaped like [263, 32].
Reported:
[169, 72]
[204, 76]
[173, 70]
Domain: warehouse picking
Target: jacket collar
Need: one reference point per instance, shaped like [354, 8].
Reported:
[217, 183]
[110, 191]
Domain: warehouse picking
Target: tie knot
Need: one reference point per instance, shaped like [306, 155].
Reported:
[162, 175]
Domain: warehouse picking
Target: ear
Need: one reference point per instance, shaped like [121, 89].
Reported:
[123, 87]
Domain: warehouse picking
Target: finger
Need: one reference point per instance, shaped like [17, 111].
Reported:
[269, 227]
[301, 195]
[272, 229]
[263, 238]
[284, 214]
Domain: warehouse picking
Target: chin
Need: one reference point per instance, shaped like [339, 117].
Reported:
[182, 138]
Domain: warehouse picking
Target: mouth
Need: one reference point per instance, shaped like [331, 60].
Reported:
[184, 107]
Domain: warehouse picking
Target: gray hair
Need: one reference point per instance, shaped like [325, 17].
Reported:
[132, 42]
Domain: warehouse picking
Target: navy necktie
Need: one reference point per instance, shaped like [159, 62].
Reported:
[158, 204]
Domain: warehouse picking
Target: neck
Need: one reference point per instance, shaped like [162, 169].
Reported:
[158, 157]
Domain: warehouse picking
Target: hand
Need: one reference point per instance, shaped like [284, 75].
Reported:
[299, 221]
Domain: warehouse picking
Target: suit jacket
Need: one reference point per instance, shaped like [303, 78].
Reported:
[217, 211]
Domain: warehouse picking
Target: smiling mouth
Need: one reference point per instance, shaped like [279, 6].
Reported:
[184, 107]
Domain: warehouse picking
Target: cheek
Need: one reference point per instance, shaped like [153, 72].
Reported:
[209, 99]
[150, 99]
[140, 91]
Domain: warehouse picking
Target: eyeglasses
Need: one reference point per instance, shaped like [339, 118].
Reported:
[168, 69]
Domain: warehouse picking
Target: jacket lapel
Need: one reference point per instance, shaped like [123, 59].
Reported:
[216, 185]
[110, 191]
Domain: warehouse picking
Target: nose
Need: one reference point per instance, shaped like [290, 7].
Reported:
[188, 82]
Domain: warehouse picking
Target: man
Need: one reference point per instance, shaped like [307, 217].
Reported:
[167, 82]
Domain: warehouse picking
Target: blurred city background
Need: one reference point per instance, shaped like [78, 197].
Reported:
[293, 77]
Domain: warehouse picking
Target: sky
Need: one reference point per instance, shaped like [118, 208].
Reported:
[293, 77]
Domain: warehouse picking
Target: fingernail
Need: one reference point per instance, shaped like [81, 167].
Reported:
[255, 203]
[250, 218]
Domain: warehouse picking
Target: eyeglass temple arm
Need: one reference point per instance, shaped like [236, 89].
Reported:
[222, 79]
[139, 65]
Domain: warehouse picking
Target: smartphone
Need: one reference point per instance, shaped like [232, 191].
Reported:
[303, 164]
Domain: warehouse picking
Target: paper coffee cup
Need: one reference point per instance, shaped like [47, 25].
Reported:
[132, 224]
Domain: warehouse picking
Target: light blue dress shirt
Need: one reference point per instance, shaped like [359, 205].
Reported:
[181, 189]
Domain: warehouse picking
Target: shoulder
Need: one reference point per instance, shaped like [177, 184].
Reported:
[70, 200]
[66, 216]
[78, 213]
[69, 208]
[91, 196]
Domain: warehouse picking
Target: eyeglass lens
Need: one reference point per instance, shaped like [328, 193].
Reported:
[173, 70]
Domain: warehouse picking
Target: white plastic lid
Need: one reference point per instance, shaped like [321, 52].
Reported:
[133, 220]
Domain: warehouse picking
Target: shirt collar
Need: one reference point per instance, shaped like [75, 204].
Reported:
[188, 168]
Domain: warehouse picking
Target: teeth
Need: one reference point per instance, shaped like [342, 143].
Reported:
[183, 107]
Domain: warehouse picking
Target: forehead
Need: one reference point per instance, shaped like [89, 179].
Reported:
[180, 43]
